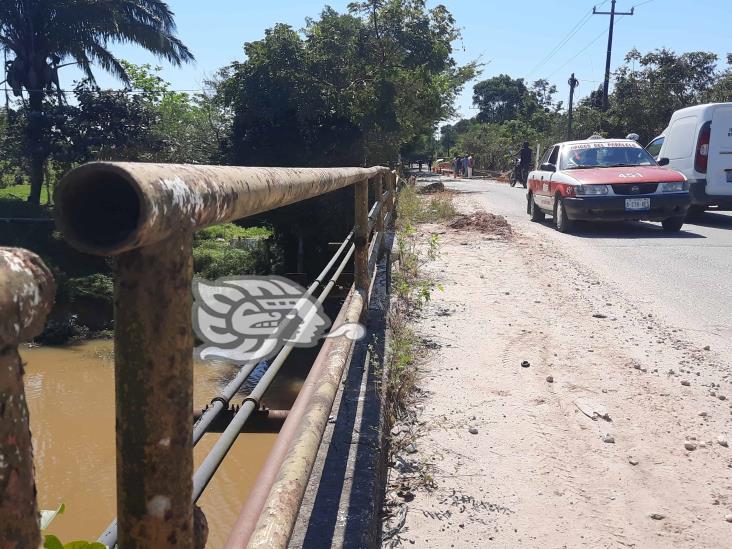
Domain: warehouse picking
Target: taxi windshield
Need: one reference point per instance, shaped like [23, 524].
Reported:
[604, 155]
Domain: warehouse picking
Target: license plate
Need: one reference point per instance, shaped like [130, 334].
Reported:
[637, 204]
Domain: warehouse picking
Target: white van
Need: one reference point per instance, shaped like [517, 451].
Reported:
[698, 143]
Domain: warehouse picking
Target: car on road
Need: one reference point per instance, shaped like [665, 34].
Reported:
[698, 143]
[605, 180]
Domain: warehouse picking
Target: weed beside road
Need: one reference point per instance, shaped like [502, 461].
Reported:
[412, 288]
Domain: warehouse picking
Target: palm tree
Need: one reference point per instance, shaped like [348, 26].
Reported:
[42, 34]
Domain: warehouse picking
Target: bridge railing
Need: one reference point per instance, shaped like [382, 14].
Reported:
[145, 215]
[26, 296]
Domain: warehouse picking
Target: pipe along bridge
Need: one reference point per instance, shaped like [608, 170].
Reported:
[145, 215]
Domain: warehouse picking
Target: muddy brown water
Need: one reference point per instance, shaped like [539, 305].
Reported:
[70, 394]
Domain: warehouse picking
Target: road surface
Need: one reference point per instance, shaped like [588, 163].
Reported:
[685, 277]
[575, 388]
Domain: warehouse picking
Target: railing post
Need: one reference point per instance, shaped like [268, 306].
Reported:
[26, 297]
[392, 187]
[383, 210]
[154, 394]
[361, 239]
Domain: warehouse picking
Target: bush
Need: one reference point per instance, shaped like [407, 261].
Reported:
[95, 286]
[217, 259]
[230, 250]
[230, 232]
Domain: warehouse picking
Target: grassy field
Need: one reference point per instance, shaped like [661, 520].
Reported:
[20, 192]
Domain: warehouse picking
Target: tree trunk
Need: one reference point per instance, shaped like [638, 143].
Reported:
[36, 146]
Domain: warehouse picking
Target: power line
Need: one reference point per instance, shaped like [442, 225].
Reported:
[572, 32]
[612, 13]
[591, 43]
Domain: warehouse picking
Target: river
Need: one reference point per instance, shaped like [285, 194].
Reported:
[70, 392]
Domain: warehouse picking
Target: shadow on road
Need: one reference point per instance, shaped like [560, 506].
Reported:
[714, 220]
[626, 230]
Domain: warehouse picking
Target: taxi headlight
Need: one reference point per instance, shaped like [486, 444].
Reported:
[591, 190]
[677, 187]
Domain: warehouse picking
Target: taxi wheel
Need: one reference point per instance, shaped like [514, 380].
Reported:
[562, 222]
[534, 211]
[672, 224]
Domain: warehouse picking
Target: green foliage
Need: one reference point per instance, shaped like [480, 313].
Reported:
[188, 128]
[650, 87]
[52, 542]
[42, 34]
[647, 90]
[231, 231]
[95, 286]
[412, 288]
[350, 90]
[500, 98]
[230, 250]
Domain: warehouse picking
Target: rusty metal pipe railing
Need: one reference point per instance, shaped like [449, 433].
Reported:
[154, 393]
[277, 519]
[107, 208]
[146, 213]
[205, 471]
[26, 296]
[361, 237]
[244, 526]
[279, 512]
[110, 536]
[217, 404]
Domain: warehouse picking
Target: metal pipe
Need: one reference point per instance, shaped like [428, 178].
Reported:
[379, 194]
[244, 527]
[245, 524]
[217, 404]
[361, 237]
[154, 394]
[275, 524]
[26, 297]
[109, 536]
[211, 462]
[107, 208]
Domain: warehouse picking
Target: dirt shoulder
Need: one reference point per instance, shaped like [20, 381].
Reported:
[512, 453]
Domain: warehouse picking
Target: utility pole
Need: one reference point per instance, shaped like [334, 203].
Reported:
[573, 83]
[612, 13]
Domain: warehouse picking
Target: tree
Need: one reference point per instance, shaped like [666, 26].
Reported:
[351, 89]
[500, 98]
[186, 128]
[721, 90]
[644, 98]
[42, 34]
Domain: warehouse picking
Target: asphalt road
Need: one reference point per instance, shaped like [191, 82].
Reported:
[686, 278]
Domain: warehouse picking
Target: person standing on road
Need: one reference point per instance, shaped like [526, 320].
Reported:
[455, 167]
[470, 166]
[525, 161]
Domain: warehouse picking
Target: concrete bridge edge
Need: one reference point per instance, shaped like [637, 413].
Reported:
[343, 500]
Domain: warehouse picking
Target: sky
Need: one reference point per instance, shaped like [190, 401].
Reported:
[528, 39]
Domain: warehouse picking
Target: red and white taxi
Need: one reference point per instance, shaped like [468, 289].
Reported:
[604, 180]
